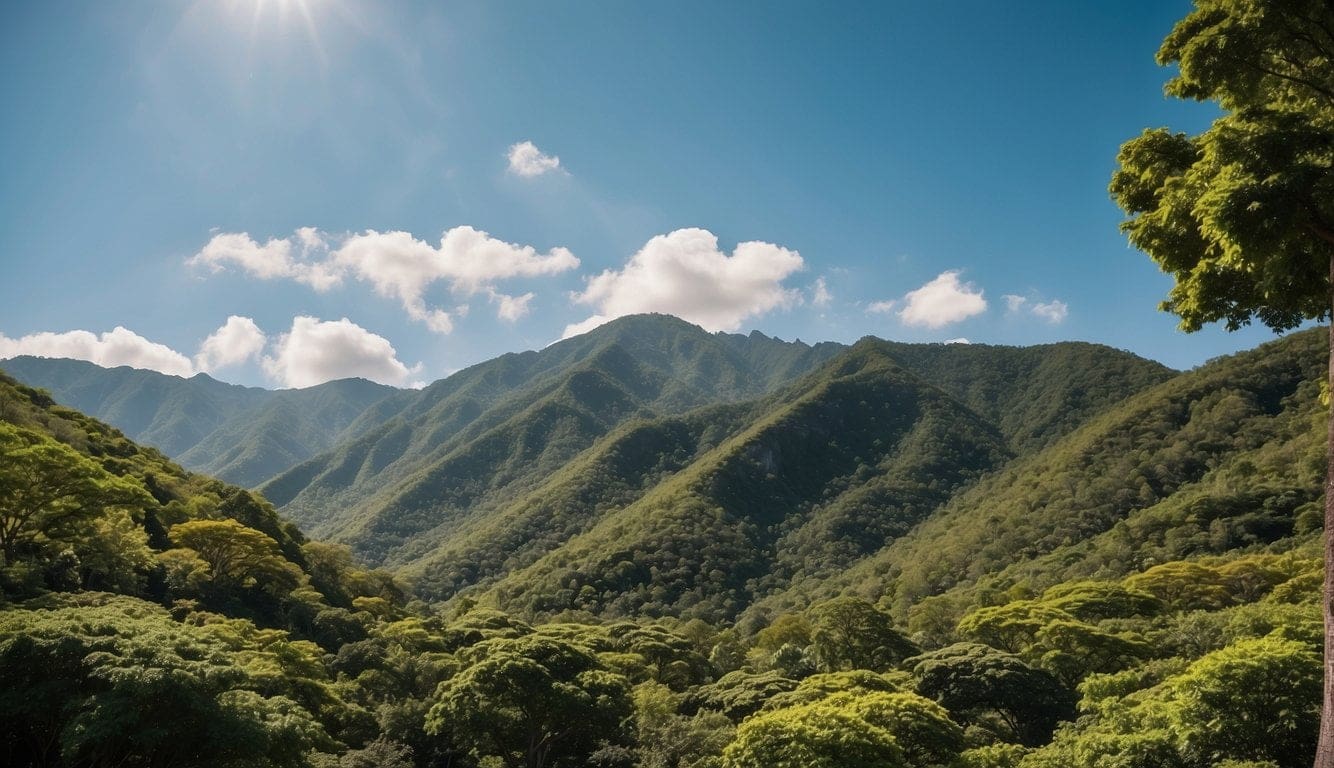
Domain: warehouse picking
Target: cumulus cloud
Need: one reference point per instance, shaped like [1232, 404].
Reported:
[882, 307]
[683, 273]
[511, 308]
[960, 340]
[820, 295]
[1054, 311]
[278, 258]
[526, 160]
[119, 346]
[395, 264]
[315, 351]
[236, 342]
[942, 301]
[311, 353]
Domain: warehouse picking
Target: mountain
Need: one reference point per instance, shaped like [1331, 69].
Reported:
[243, 435]
[490, 432]
[506, 463]
[797, 487]
[1229, 455]
[289, 427]
[647, 425]
[170, 413]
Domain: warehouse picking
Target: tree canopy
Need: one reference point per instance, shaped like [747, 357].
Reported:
[1242, 215]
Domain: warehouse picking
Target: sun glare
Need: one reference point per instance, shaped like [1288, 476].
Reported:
[264, 15]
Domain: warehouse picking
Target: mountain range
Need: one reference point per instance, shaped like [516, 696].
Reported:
[647, 466]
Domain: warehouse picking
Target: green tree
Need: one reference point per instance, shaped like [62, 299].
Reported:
[922, 728]
[1253, 700]
[851, 633]
[120, 683]
[671, 740]
[977, 683]
[47, 490]
[815, 735]
[1242, 215]
[531, 702]
[237, 556]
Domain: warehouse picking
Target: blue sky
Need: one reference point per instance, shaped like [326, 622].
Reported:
[296, 166]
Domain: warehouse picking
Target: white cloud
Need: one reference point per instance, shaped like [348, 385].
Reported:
[314, 352]
[820, 295]
[236, 342]
[511, 308]
[311, 353]
[685, 274]
[271, 260]
[526, 160]
[584, 326]
[116, 347]
[1054, 311]
[395, 264]
[942, 301]
[882, 307]
[960, 340]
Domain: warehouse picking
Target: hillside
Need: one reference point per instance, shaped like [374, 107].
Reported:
[489, 454]
[1229, 455]
[171, 413]
[489, 432]
[243, 435]
[857, 454]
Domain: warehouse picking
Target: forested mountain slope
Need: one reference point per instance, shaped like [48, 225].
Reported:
[289, 427]
[854, 455]
[463, 484]
[1228, 455]
[492, 431]
[1036, 394]
[168, 412]
[244, 435]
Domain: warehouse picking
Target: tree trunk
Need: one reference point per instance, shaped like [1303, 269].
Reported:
[1324, 752]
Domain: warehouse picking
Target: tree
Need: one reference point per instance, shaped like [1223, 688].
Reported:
[975, 682]
[121, 683]
[922, 728]
[1242, 215]
[237, 556]
[532, 702]
[815, 735]
[851, 633]
[1254, 700]
[47, 489]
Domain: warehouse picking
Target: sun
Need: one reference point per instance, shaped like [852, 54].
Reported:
[265, 15]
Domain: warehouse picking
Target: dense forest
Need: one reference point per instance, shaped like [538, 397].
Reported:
[877, 555]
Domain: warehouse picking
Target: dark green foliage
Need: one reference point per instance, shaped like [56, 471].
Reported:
[982, 686]
[121, 683]
[851, 633]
